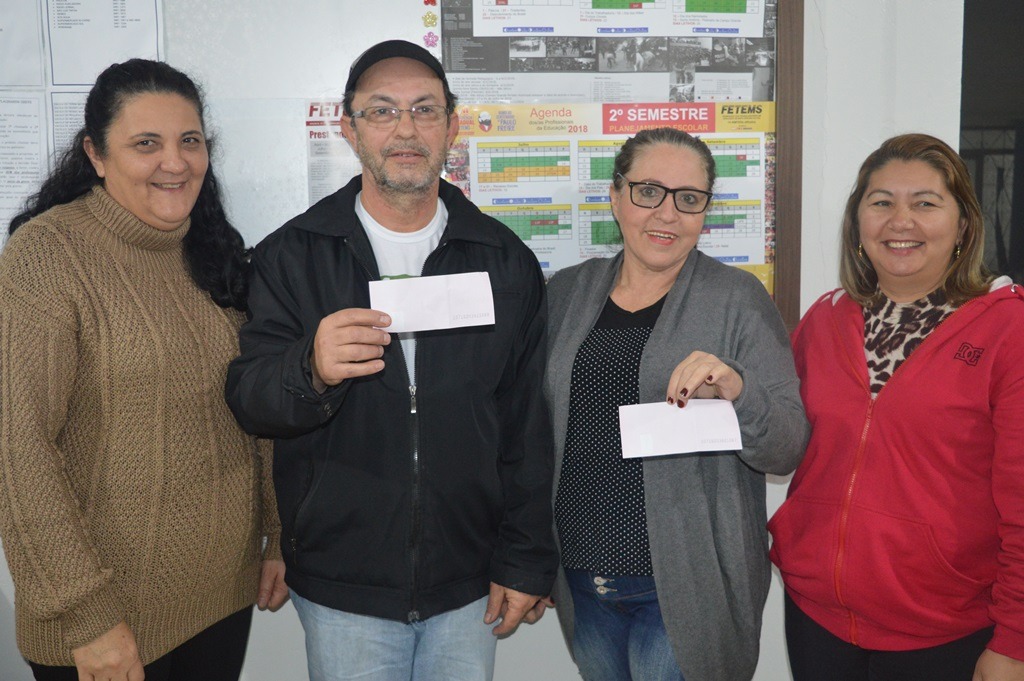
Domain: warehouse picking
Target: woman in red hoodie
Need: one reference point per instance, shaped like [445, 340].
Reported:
[901, 544]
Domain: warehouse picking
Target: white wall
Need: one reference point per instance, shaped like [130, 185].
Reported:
[873, 68]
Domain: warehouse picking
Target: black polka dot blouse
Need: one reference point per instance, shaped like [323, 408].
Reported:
[599, 506]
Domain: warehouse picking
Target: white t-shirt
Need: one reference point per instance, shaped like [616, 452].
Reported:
[402, 254]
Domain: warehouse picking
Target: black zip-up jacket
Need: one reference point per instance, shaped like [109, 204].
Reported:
[402, 502]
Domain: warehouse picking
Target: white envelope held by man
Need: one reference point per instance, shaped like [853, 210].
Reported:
[446, 301]
[659, 428]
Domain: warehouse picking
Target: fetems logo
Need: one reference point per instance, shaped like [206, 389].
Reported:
[969, 354]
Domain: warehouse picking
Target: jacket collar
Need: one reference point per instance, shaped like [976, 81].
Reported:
[848, 319]
[335, 215]
[1001, 288]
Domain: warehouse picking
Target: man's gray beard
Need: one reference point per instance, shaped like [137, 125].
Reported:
[393, 187]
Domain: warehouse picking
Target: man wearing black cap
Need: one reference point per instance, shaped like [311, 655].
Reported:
[413, 472]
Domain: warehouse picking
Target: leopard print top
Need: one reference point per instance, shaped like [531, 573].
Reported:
[894, 330]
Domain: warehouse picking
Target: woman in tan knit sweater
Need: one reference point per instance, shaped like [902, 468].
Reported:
[137, 518]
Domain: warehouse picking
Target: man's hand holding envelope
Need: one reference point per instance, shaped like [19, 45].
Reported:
[350, 343]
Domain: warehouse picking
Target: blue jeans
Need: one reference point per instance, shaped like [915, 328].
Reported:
[619, 633]
[454, 645]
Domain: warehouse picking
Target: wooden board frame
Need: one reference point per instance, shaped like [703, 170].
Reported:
[789, 98]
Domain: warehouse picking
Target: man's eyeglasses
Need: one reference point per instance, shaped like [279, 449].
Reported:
[650, 195]
[387, 116]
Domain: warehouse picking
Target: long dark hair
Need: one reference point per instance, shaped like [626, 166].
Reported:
[215, 252]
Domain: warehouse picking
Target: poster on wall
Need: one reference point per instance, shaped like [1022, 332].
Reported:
[618, 17]
[545, 172]
[86, 36]
[330, 163]
[21, 48]
[549, 90]
[652, 65]
[23, 150]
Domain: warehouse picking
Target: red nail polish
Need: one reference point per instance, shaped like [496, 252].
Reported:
[709, 379]
[671, 401]
[683, 392]
[681, 404]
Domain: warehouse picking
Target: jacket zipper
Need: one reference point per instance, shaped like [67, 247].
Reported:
[415, 521]
[298, 510]
[844, 518]
[416, 526]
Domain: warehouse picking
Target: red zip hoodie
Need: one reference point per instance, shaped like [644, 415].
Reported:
[904, 525]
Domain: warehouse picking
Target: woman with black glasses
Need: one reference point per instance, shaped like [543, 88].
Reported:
[665, 559]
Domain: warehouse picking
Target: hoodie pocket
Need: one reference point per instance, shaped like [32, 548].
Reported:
[895, 574]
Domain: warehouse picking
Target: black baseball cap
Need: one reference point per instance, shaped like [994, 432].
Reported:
[387, 50]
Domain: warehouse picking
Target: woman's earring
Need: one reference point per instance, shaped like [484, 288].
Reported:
[956, 253]
[860, 251]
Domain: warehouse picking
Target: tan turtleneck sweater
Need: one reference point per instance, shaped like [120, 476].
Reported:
[127, 490]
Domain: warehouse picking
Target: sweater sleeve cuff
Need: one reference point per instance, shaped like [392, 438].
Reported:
[1009, 642]
[91, 617]
[272, 549]
[751, 393]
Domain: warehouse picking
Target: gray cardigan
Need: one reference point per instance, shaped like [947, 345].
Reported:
[706, 513]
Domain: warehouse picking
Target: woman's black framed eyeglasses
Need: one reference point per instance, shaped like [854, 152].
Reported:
[651, 195]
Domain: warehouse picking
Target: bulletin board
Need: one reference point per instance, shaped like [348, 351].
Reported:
[548, 91]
